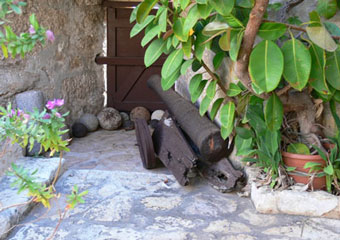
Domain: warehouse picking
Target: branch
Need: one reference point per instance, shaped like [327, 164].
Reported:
[297, 28]
[219, 83]
[255, 20]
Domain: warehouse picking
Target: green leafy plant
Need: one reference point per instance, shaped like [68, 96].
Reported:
[290, 67]
[332, 168]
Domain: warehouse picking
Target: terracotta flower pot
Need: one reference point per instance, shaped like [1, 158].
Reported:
[298, 161]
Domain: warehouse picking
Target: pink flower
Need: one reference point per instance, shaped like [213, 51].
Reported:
[58, 115]
[59, 102]
[50, 105]
[55, 103]
[26, 118]
[31, 30]
[47, 116]
[50, 36]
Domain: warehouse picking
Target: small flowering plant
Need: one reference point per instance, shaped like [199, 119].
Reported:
[44, 127]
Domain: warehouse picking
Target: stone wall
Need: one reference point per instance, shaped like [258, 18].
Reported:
[66, 68]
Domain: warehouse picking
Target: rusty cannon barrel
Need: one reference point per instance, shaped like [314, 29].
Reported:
[202, 132]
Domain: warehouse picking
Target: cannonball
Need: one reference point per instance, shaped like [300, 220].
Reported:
[128, 125]
[79, 130]
[157, 115]
[109, 119]
[154, 123]
[140, 112]
[90, 121]
[125, 116]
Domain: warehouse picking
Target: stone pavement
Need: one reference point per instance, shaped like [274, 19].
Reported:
[126, 201]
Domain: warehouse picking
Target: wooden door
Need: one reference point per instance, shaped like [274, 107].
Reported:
[126, 73]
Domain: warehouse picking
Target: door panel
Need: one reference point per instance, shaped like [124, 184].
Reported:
[126, 74]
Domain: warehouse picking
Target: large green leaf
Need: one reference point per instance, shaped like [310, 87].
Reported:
[233, 21]
[179, 30]
[211, 90]
[223, 7]
[184, 3]
[216, 106]
[163, 20]
[245, 3]
[191, 19]
[187, 47]
[138, 27]
[186, 65]
[233, 90]
[321, 37]
[215, 27]
[227, 119]
[273, 113]
[168, 82]
[204, 106]
[271, 30]
[224, 41]
[173, 62]
[333, 69]
[199, 45]
[317, 77]
[151, 34]
[244, 133]
[204, 10]
[326, 8]
[197, 93]
[235, 44]
[297, 63]
[145, 9]
[134, 13]
[298, 148]
[332, 28]
[154, 51]
[218, 59]
[266, 65]
[243, 146]
[194, 83]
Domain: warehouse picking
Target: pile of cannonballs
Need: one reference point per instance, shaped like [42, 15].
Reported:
[111, 119]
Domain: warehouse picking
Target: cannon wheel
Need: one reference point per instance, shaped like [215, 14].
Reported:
[145, 144]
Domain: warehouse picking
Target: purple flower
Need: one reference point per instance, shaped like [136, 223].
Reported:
[47, 116]
[20, 112]
[12, 114]
[58, 115]
[31, 30]
[50, 36]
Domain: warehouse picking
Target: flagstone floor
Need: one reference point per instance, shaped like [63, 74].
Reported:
[126, 201]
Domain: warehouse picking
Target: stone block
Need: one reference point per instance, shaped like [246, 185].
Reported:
[30, 100]
[9, 196]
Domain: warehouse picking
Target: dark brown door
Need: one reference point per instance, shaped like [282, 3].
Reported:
[126, 73]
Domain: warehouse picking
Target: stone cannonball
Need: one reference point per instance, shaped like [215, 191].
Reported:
[79, 130]
[140, 112]
[90, 121]
[157, 115]
[109, 119]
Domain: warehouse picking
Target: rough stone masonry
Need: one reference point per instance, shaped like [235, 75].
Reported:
[66, 68]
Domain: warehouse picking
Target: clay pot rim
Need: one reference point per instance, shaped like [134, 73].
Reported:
[301, 156]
